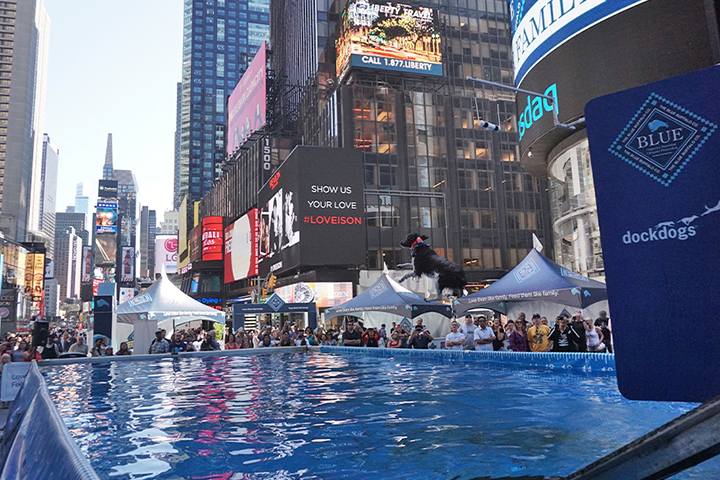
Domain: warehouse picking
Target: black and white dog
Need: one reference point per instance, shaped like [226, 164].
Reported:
[449, 278]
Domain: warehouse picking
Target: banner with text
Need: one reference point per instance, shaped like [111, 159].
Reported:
[654, 155]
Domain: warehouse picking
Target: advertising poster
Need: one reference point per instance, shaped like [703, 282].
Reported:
[127, 265]
[107, 189]
[247, 104]
[241, 247]
[126, 294]
[655, 151]
[166, 251]
[389, 36]
[212, 238]
[106, 218]
[8, 310]
[195, 244]
[87, 264]
[312, 210]
[105, 248]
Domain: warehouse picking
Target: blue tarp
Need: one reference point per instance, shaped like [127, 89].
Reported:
[535, 278]
[388, 296]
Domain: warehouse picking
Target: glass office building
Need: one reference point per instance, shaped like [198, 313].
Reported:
[219, 40]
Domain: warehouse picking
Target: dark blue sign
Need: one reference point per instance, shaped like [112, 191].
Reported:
[656, 162]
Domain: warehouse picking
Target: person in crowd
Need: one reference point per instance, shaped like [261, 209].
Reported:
[98, 348]
[108, 351]
[177, 345]
[578, 324]
[544, 321]
[285, 340]
[310, 336]
[51, 349]
[159, 343]
[4, 361]
[231, 342]
[468, 329]
[483, 335]
[538, 335]
[509, 328]
[199, 338]
[65, 342]
[301, 340]
[594, 337]
[603, 321]
[80, 346]
[395, 340]
[123, 350]
[267, 341]
[563, 337]
[454, 340]
[371, 337]
[352, 337]
[332, 338]
[499, 331]
[420, 337]
[383, 332]
[393, 327]
[30, 353]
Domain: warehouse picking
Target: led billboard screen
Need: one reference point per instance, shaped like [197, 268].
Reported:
[127, 265]
[34, 276]
[106, 218]
[107, 189]
[241, 248]
[212, 238]
[312, 211]
[389, 36]
[105, 248]
[87, 264]
[248, 102]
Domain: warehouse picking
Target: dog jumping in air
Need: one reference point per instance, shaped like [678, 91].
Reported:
[449, 278]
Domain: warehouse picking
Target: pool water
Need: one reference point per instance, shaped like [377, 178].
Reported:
[314, 415]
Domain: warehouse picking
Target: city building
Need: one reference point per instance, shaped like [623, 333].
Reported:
[220, 39]
[428, 165]
[76, 220]
[169, 226]
[128, 207]
[176, 150]
[82, 203]
[52, 297]
[68, 253]
[108, 165]
[148, 232]
[48, 192]
[24, 31]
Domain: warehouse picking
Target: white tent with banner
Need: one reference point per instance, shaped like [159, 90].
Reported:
[162, 305]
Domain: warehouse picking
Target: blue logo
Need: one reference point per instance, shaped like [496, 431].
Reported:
[275, 302]
[661, 138]
[378, 289]
[527, 270]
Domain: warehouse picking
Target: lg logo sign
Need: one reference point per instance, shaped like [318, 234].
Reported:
[171, 244]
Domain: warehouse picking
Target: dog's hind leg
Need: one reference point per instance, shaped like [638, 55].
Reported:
[408, 275]
[404, 266]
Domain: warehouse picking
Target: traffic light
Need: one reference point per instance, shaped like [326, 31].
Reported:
[271, 281]
[263, 292]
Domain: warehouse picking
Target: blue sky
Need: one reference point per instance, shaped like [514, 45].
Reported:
[113, 68]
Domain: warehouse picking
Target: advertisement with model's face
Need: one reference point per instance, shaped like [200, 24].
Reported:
[247, 103]
[389, 36]
[312, 210]
[241, 248]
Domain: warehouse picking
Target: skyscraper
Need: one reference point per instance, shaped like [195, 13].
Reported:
[221, 37]
[148, 230]
[68, 249]
[24, 30]
[48, 192]
[77, 220]
[82, 202]
[108, 166]
[127, 206]
[176, 152]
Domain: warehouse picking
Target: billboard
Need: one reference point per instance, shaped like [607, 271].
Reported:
[87, 264]
[195, 244]
[241, 247]
[127, 265]
[577, 71]
[34, 276]
[107, 189]
[312, 211]
[389, 36]
[655, 152]
[324, 294]
[105, 248]
[248, 102]
[539, 27]
[212, 238]
[106, 218]
[166, 251]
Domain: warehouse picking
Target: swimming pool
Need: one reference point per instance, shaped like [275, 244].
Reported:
[317, 415]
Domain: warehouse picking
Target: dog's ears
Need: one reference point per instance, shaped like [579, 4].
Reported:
[424, 237]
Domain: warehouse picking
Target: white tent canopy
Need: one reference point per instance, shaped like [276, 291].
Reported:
[160, 306]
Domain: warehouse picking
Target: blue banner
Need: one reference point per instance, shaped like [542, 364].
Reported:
[655, 153]
[396, 64]
[540, 26]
